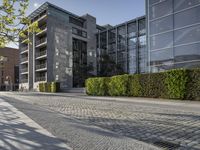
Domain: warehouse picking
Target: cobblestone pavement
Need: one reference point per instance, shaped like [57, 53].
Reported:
[170, 126]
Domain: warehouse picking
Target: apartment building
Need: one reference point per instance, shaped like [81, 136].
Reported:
[173, 34]
[125, 44]
[161, 40]
[9, 69]
[65, 43]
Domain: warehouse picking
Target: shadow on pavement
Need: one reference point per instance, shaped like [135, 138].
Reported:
[17, 135]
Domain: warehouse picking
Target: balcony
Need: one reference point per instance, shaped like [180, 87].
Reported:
[41, 54]
[24, 70]
[23, 60]
[40, 78]
[41, 42]
[25, 41]
[24, 49]
[41, 67]
[43, 30]
[24, 80]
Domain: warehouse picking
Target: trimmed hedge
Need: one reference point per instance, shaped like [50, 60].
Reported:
[97, 86]
[173, 84]
[118, 85]
[49, 87]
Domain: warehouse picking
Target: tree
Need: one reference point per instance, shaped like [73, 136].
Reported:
[108, 67]
[13, 21]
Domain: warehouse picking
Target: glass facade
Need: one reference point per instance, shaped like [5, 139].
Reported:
[173, 34]
[126, 45]
[79, 62]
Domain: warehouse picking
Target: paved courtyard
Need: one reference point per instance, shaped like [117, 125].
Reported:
[112, 123]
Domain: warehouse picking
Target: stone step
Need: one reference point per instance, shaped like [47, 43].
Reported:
[74, 90]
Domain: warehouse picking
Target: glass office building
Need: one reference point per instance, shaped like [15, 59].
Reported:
[173, 34]
[125, 44]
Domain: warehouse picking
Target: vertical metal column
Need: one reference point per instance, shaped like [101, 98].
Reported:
[126, 43]
[137, 47]
[107, 41]
[116, 40]
[33, 59]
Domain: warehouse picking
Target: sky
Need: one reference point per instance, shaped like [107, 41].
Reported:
[111, 12]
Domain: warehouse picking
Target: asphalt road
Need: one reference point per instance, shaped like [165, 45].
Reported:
[88, 123]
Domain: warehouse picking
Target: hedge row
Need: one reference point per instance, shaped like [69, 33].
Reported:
[173, 84]
[52, 87]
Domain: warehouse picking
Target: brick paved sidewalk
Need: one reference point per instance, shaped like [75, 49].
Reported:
[19, 132]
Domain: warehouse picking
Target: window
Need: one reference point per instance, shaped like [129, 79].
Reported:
[161, 41]
[132, 30]
[161, 25]
[161, 57]
[79, 32]
[188, 65]
[187, 52]
[183, 4]
[142, 27]
[161, 9]
[187, 35]
[190, 16]
[76, 22]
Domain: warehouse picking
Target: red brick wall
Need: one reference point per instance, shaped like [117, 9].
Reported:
[8, 66]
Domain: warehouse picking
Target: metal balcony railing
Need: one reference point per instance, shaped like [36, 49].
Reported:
[24, 80]
[43, 27]
[41, 66]
[41, 78]
[24, 70]
[24, 48]
[41, 53]
[43, 40]
[24, 59]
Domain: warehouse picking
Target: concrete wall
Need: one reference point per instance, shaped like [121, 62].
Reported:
[59, 48]
[91, 41]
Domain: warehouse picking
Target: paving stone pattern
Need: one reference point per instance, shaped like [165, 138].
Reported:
[146, 123]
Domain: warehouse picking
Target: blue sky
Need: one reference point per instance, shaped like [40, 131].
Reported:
[106, 11]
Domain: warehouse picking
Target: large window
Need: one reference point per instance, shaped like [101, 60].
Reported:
[161, 57]
[79, 62]
[121, 37]
[190, 16]
[161, 9]
[183, 4]
[187, 35]
[112, 41]
[187, 52]
[161, 25]
[132, 30]
[76, 22]
[142, 27]
[79, 32]
[161, 41]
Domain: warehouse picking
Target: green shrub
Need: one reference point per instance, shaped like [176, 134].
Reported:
[135, 88]
[45, 87]
[156, 85]
[54, 87]
[176, 83]
[118, 85]
[173, 84]
[48, 87]
[97, 86]
[193, 85]
[144, 82]
[41, 89]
